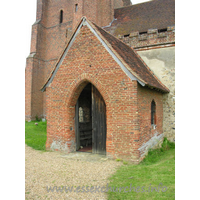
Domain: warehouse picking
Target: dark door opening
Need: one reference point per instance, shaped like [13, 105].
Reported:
[90, 121]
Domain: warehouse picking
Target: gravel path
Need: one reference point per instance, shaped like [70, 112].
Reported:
[49, 169]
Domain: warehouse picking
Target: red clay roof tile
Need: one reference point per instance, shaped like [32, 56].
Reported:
[133, 60]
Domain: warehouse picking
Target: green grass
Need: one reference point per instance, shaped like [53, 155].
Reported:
[157, 168]
[36, 136]
[156, 171]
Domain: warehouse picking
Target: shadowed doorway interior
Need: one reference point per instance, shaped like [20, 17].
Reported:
[90, 121]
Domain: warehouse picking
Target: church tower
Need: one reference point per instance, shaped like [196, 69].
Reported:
[100, 12]
[55, 22]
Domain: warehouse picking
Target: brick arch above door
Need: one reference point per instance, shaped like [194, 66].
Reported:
[81, 81]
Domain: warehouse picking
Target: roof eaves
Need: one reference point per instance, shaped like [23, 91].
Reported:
[163, 88]
[125, 67]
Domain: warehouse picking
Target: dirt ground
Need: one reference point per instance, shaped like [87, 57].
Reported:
[79, 175]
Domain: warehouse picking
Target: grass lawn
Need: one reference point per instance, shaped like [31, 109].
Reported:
[36, 136]
[157, 171]
[154, 178]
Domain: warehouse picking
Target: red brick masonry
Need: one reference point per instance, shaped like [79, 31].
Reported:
[128, 105]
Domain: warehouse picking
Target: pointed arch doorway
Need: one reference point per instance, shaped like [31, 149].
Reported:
[90, 121]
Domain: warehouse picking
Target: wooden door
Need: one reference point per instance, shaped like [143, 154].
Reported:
[77, 132]
[98, 123]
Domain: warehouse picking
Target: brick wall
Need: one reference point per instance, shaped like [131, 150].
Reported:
[33, 96]
[39, 9]
[127, 2]
[28, 88]
[99, 11]
[88, 61]
[49, 37]
[157, 49]
[145, 97]
[162, 62]
[152, 37]
[118, 91]
[118, 4]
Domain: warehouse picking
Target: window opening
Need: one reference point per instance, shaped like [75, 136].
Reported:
[162, 30]
[61, 16]
[76, 7]
[141, 33]
[127, 35]
[153, 113]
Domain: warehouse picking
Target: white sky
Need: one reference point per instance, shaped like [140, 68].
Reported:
[26, 17]
[138, 1]
[27, 21]
[30, 13]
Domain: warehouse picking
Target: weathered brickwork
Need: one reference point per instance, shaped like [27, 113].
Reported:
[157, 49]
[162, 62]
[119, 92]
[128, 104]
[145, 97]
[49, 37]
[28, 88]
[118, 3]
[151, 37]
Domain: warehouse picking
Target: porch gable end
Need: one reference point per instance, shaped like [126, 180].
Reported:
[85, 22]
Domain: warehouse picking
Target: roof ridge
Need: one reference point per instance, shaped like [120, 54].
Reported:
[113, 50]
[128, 59]
[121, 59]
[137, 55]
[61, 55]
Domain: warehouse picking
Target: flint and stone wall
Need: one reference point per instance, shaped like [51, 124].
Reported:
[162, 62]
[157, 49]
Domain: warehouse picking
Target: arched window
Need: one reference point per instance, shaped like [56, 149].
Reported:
[76, 8]
[61, 16]
[153, 113]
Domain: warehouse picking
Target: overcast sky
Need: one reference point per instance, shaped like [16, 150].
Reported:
[30, 13]
[25, 23]
[138, 1]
